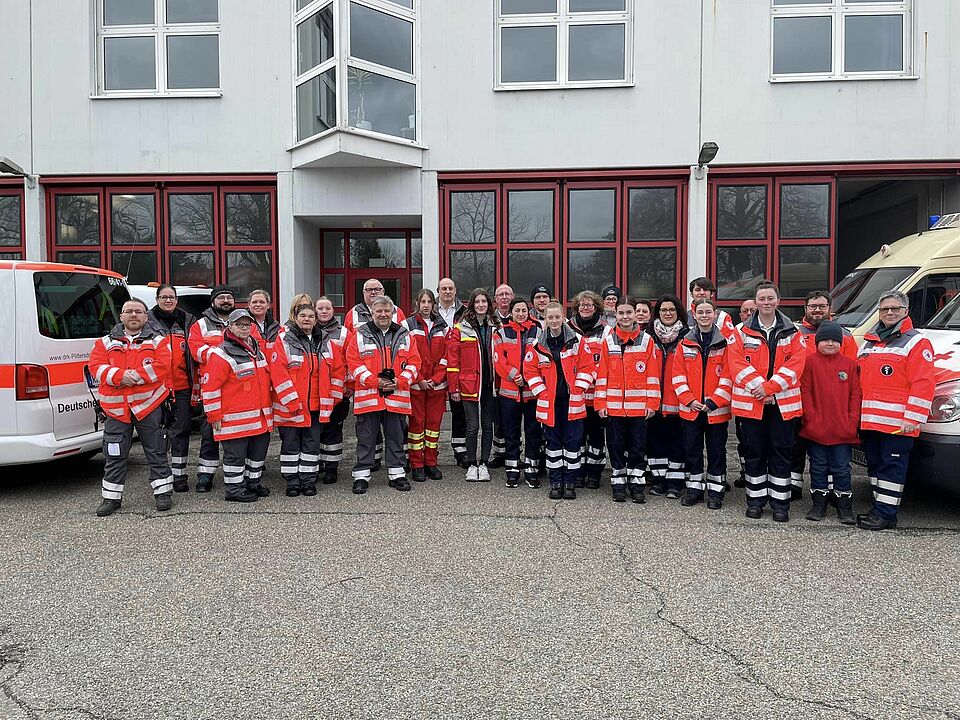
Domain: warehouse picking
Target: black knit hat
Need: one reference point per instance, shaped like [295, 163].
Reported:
[537, 289]
[220, 290]
[829, 330]
[611, 290]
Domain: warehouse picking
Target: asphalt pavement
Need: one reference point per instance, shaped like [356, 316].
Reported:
[460, 600]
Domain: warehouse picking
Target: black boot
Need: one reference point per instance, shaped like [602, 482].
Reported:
[108, 507]
[845, 510]
[497, 461]
[360, 487]
[819, 510]
[691, 498]
[570, 491]
[619, 493]
[796, 492]
[418, 475]
[164, 502]
[181, 485]
[204, 483]
[556, 492]
[636, 494]
[874, 521]
[309, 489]
[593, 483]
[330, 470]
[433, 472]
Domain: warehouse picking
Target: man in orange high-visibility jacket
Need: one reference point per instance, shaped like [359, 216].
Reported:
[627, 394]
[897, 379]
[384, 362]
[766, 357]
[132, 366]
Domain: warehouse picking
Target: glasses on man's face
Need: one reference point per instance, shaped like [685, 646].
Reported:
[817, 306]
[894, 309]
[243, 326]
[133, 312]
[373, 290]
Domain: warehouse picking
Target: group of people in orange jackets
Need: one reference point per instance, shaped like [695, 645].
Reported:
[653, 386]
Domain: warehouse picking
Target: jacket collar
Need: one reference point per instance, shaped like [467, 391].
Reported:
[905, 326]
[147, 333]
[566, 332]
[691, 339]
[783, 326]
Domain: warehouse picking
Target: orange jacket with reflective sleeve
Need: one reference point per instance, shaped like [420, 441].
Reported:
[703, 379]
[148, 355]
[628, 376]
[310, 372]
[370, 351]
[510, 343]
[540, 371]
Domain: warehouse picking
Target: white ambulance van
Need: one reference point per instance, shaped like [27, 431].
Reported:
[50, 316]
[925, 266]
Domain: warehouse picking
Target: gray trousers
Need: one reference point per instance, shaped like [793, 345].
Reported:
[180, 436]
[117, 438]
[243, 461]
[209, 459]
[368, 429]
[300, 453]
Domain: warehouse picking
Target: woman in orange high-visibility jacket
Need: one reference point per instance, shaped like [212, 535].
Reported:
[897, 380]
[518, 410]
[238, 385]
[588, 322]
[628, 394]
[766, 362]
[384, 362]
[429, 394]
[665, 430]
[559, 371]
[300, 346]
[701, 380]
[471, 376]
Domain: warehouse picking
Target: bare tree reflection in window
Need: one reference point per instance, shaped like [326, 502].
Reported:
[191, 219]
[10, 224]
[471, 269]
[805, 211]
[248, 218]
[651, 271]
[531, 216]
[742, 212]
[133, 220]
[653, 214]
[368, 250]
[248, 270]
[472, 217]
[739, 271]
[591, 270]
[78, 220]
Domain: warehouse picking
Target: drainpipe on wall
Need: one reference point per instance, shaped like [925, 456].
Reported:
[697, 223]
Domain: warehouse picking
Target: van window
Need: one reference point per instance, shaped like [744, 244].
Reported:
[77, 305]
[930, 295]
[194, 304]
[855, 298]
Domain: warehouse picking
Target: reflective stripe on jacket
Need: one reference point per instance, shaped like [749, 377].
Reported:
[310, 373]
[699, 378]
[669, 405]
[897, 380]
[369, 352]
[628, 377]
[432, 349]
[360, 314]
[774, 365]
[148, 355]
[465, 368]
[540, 372]
[509, 347]
[592, 340]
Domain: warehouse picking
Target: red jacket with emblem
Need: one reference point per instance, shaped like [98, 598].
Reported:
[465, 361]
[431, 344]
[148, 355]
[702, 378]
[370, 350]
[897, 380]
[238, 385]
[774, 365]
[830, 388]
[628, 377]
[540, 372]
[177, 329]
[592, 336]
[666, 357]
[509, 347]
[309, 369]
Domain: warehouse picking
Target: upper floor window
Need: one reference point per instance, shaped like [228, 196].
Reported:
[158, 47]
[564, 43]
[841, 39]
[363, 77]
[11, 222]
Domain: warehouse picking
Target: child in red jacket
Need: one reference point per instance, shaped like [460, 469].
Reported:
[830, 389]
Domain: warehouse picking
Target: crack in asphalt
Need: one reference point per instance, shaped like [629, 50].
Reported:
[745, 671]
[341, 582]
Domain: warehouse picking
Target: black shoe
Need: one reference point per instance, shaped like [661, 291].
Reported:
[204, 483]
[401, 484]
[796, 493]
[658, 490]
[164, 502]
[259, 490]
[108, 507]
[781, 516]
[690, 499]
[293, 492]
[460, 459]
[619, 495]
[556, 492]
[497, 461]
[579, 483]
[433, 472]
[714, 504]
[532, 481]
[673, 494]
[245, 496]
[754, 512]
[463, 462]
[309, 490]
[360, 487]
[740, 482]
[329, 478]
[512, 481]
[845, 510]
[419, 475]
[593, 484]
[819, 510]
[569, 492]
[873, 521]
[181, 486]
[377, 464]
[636, 494]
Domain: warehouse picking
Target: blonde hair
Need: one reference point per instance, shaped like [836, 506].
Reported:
[298, 300]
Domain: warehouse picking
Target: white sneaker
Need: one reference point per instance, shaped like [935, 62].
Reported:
[483, 474]
[472, 473]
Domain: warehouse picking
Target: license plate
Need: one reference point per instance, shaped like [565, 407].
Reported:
[859, 457]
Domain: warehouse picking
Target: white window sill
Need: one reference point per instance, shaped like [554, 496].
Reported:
[156, 95]
[563, 86]
[838, 78]
[360, 133]
[348, 147]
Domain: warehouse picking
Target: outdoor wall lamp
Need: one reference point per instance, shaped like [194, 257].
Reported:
[708, 151]
[11, 168]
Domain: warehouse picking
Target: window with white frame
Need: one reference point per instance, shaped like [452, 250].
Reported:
[841, 39]
[564, 43]
[356, 66]
[158, 47]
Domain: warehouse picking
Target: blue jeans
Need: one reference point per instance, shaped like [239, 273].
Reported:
[829, 460]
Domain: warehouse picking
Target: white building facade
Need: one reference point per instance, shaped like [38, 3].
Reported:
[305, 145]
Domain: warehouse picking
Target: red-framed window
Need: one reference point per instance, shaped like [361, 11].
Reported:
[349, 257]
[571, 232]
[780, 228]
[12, 223]
[183, 231]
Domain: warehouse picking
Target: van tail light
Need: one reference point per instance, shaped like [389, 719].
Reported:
[33, 383]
